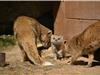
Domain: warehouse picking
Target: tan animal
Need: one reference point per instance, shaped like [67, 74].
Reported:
[58, 46]
[85, 43]
[27, 32]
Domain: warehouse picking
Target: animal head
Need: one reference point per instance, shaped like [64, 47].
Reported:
[61, 53]
[57, 39]
[45, 39]
[68, 49]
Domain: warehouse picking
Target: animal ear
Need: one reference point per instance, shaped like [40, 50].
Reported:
[61, 37]
[49, 33]
[65, 41]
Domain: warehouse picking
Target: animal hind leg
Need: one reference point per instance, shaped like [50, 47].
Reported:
[32, 52]
[23, 54]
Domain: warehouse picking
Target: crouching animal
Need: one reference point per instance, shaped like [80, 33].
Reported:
[58, 46]
[85, 43]
[27, 31]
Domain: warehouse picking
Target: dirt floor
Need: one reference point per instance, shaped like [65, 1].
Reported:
[14, 66]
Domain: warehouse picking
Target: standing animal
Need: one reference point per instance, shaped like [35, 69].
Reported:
[58, 47]
[27, 31]
[86, 42]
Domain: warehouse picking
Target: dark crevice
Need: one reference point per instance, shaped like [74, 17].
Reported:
[41, 10]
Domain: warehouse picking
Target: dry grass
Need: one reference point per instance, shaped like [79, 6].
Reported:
[6, 41]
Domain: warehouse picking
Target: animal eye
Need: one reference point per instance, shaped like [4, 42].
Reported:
[53, 38]
[58, 38]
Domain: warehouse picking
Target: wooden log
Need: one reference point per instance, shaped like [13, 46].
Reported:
[2, 59]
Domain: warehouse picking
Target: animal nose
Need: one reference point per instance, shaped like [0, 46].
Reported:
[55, 40]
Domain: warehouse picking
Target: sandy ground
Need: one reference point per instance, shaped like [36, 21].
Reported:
[16, 67]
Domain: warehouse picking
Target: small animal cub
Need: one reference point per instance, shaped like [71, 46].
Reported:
[58, 46]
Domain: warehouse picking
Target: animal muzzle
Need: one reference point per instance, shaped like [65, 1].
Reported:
[45, 45]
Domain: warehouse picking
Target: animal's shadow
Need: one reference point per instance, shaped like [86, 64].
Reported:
[85, 63]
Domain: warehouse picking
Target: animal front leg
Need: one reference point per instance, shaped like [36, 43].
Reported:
[90, 60]
[60, 54]
[74, 57]
[54, 52]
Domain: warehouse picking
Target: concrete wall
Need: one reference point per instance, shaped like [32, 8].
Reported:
[74, 16]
